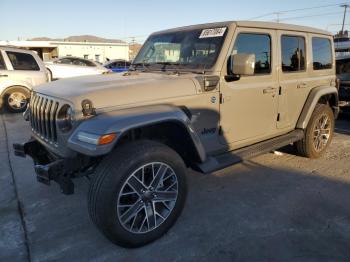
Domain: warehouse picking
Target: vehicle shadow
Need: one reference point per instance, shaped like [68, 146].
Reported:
[248, 212]
[265, 209]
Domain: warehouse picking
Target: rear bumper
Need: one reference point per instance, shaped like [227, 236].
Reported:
[49, 167]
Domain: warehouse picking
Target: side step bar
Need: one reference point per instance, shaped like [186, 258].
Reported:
[221, 161]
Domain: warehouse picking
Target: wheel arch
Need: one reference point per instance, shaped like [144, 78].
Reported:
[321, 94]
[172, 133]
[14, 86]
[50, 72]
[163, 123]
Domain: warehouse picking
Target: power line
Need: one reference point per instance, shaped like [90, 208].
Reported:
[307, 16]
[296, 10]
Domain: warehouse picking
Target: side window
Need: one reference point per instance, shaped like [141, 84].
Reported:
[88, 63]
[2, 62]
[22, 61]
[258, 44]
[293, 53]
[65, 61]
[321, 53]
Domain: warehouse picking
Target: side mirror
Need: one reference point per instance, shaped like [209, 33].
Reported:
[241, 64]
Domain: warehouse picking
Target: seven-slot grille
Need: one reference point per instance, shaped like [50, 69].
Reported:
[43, 117]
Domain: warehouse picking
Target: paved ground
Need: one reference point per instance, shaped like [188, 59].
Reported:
[272, 208]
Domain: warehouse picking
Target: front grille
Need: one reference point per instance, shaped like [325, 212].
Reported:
[43, 117]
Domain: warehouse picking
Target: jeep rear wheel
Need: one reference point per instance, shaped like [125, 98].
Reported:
[137, 193]
[318, 134]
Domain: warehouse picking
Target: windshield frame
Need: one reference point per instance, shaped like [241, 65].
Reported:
[178, 66]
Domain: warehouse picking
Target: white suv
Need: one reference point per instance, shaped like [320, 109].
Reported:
[20, 70]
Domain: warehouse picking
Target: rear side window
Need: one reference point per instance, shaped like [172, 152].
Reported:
[293, 53]
[2, 63]
[22, 61]
[321, 53]
[258, 44]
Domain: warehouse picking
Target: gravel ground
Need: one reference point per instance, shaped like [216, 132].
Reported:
[276, 207]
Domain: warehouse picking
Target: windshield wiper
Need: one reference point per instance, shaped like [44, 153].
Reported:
[165, 64]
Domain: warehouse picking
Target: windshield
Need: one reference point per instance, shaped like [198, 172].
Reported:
[194, 49]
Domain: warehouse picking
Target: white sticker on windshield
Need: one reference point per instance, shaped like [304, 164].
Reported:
[213, 32]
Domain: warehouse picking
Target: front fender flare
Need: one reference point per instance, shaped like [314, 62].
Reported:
[123, 120]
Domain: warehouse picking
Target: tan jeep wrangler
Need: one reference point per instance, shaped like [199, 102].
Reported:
[205, 96]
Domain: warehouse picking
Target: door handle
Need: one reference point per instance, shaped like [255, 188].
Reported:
[302, 85]
[3, 75]
[269, 90]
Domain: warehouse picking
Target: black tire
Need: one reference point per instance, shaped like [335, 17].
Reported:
[110, 178]
[306, 147]
[21, 91]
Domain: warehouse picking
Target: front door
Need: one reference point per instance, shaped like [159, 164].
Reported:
[249, 108]
[23, 69]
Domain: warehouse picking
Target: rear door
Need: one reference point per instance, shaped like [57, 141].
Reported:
[294, 77]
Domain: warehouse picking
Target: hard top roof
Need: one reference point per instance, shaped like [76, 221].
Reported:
[252, 24]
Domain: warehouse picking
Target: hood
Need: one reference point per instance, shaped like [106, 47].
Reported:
[112, 90]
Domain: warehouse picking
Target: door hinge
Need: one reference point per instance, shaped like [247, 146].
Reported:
[220, 131]
[221, 99]
[280, 90]
[278, 117]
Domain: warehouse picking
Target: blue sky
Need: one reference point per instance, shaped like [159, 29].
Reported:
[122, 19]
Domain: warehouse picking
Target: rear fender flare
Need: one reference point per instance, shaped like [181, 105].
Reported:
[314, 97]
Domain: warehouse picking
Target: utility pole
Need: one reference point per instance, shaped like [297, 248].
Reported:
[277, 16]
[133, 41]
[345, 8]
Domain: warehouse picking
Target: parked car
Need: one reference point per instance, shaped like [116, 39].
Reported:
[343, 74]
[117, 65]
[69, 66]
[205, 96]
[20, 70]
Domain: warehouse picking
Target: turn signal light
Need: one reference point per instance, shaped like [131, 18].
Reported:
[106, 139]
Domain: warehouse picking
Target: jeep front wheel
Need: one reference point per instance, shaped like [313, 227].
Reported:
[318, 133]
[137, 193]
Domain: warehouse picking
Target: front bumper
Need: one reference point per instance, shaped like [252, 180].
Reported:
[49, 167]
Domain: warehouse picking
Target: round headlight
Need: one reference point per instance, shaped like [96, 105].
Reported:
[65, 118]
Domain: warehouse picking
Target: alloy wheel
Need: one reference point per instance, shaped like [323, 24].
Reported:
[322, 132]
[147, 197]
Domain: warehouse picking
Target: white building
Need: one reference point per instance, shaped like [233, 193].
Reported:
[99, 52]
